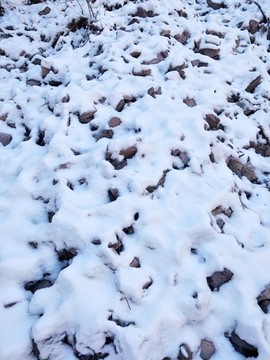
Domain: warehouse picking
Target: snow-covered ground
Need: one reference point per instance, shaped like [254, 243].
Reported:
[134, 180]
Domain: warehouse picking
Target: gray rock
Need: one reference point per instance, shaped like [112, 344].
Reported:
[87, 116]
[45, 11]
[252, 86]
[212, 53]
[213, 121]
[242, 346]
[214, 5]
[219, 278]
[207, 349]
[190, 102]
[5, 139]
[115, 121]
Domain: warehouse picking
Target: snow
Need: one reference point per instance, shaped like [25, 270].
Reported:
[128, 277]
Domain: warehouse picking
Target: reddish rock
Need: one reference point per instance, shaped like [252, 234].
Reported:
[114, 121]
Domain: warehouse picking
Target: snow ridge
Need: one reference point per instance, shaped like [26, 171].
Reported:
[134, 201]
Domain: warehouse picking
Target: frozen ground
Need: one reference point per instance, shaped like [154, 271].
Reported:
[134, 187]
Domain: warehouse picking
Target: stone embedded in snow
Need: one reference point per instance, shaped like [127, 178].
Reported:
[184, 353]
[33, 286]
[141, 72]
[33, 82]
[141, 12]
[5, 139]
[242, 346]
[66, 254]
[154, 91]
[161, 182]
[87, 116]
[106, 133]
[213, 121]
[211, 52]
[253, 26]
[3, 117]
[135, 263]
[254, 83]
[248, 172]
[45, 11]
[219, 278]
[113, 194]
[264, 300]
[114, 121]
[207, 349]
[182, 38]
[190, 102]
[240, 170]
[216, 5]
[129, 152]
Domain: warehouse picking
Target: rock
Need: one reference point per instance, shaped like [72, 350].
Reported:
[135, 263]
[248, 171]
[215, 33]
[252, 86]
[184, 352]
[135, 54]
[216, 5]
[190, 102]
[242, 347]
[161, 182]
[66, 254]
[96, 241]
[199, 63]
[33, 82]
[113, 194]
[141, 12]
[165, 32]
[115, 121]
[87, 116]
[120, 106]
[50, 216]
[45, 11]
[219, 278]
[153, 92]
[5, 139]
[107, 133]
[207, 349]
[3, 117]
[213, 121]
[129, 152]
[264, 300]
[44, 71]
[142, 72]
[129, 230]
[182, 38]
[33, 286]
[211, 52]
[262, 149]
[220, 223]
[253, 26]
[65, 99]
[235, 165]
[117, 246]
[183, 155]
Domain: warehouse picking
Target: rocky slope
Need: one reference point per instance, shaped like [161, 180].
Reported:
[134, 187]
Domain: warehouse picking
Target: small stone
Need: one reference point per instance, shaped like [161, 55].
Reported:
[44, 71]
[50, 216]
[135, 54]
[3, 117]
[212, 53]
[5, 139]
[107, 133]
[252, 86]
[114, 121]
[214, 5]
[253, 26]
[45, 11]
[235, 165]
[207, 349]
[243, 347]
[33, 286]
[264, 300]
[248, 171]
[135, 263]
[141, 12]
[129, 152]
[33, 82]
[190, 102]
[120, 106]
[87, 116]
[184, 352]
[183, 38]
[117, 246]
[165, 32]
[129, 230]
[113, 194]
[213, 121]
[142, 72]
[219, 278]
[66, 254]
[153, 92]
[96, 241]
[220, 223]
[66, 99]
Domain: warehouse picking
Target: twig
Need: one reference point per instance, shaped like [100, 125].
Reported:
[264, 19]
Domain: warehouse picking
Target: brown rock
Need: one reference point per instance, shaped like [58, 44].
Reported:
[3, 117]
[190, 102]
[165, 32]
[207, 349]
[219, 278]
[212, 53]
[129, 152]
[135, 54]
[252, 86]
[243, 347]
[212, 121]
[142, 72]
[135, 263]
[214, 5]
[153, 92]
[114, 121]
[113, 194]
[184, 352]
[253, 26]
[235, 165]
[5, 139]
[182, 38]
[120, 106]
[107, 133]
[44, 71]
[87, 116]
[264, 300]
[248, 171]
[45, 11]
